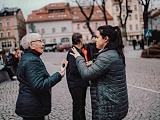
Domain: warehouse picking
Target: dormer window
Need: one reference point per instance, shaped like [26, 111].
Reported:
[75, 17]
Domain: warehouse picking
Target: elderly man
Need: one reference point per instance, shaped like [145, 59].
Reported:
[34, 99]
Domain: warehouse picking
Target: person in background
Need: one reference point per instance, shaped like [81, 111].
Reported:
[85, 52]
[35, 83]
[91, 48]
[77, 86]
[134, 43]
[4, 66]
[109, 96]
[17, 53]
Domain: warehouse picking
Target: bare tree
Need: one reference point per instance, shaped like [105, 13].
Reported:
[145, 3]
[123, 20]
[87, 17]
[103, 9]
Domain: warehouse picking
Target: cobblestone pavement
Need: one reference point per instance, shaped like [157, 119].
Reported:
[143, 77]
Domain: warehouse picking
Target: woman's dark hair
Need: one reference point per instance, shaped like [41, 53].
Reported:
[115, 38]
[76, 38]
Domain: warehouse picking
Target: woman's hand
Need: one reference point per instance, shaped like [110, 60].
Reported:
[89, 63]
[75, 52]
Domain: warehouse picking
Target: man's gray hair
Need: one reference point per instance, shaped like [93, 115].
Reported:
[28, 38]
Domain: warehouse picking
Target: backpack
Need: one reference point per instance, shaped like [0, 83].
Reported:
[11, 60]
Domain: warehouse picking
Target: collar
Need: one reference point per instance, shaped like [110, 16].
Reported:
[32, 51]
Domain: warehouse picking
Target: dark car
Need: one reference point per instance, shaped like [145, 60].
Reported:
[63, 48]
[50, 47]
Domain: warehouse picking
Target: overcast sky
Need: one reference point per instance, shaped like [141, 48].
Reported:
[27, 6]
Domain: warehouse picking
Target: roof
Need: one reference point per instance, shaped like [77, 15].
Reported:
[62, 11]
[154, 13]
[77, 16]
[50, 12]
[9, 11]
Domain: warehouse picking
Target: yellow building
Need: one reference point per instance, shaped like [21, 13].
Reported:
[12, 27]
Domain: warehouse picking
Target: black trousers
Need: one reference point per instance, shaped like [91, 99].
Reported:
[9, 71]
[33, 118]
[79, 101]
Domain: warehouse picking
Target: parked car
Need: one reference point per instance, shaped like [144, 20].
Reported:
[50, 47]
[64, 47]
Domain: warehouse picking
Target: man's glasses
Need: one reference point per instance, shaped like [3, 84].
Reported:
[37, 41]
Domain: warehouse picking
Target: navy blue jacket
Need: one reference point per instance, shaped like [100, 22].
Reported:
[34, 98]
[74, 79]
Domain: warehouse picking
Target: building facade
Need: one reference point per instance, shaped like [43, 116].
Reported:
[53, 22]
[12, 27]
[134, 25]
[56, 22]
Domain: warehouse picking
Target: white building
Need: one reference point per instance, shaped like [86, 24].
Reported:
[53, 22]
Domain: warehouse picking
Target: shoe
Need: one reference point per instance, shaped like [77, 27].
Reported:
[14, 78]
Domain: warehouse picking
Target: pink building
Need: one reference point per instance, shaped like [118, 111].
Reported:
[12, 27]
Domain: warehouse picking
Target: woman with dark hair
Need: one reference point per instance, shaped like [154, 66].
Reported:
[77, 86]
[109, 97]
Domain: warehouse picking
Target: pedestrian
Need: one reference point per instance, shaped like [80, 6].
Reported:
[17, 53]
[109, 97]
[35, 83]
[134, 43]
[85, 52]
[91, 48]
[77, 86]
[3, 65]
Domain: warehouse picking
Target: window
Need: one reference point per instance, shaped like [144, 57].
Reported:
[130, 27]
[129, 8]
[2, 35]
[123, 17]
[117, 17]
[78, 26]
[96, 25]
[117, 8]
[54, 40]
[130, 17]
[43, 31]
[135, 7]
[85, 26]
[1, 25]
[53, 30]
[7, 44]
[63, 29]
[9, 34]
[75, 17]
[136, 26]
[64, 40]
[87, 38]
[123, 8]
[136, 17]
[8, 24]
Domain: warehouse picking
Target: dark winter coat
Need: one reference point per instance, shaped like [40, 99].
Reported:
[109, 96]
[34, 98]
[74, 79]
